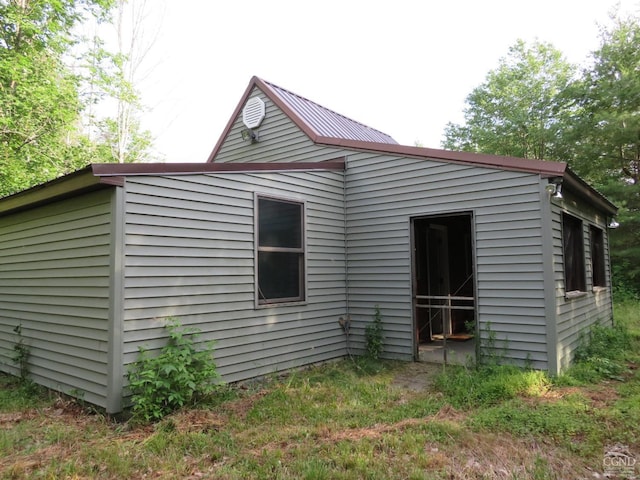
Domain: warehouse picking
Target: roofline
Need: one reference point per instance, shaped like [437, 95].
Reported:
[105, 175]
[245, 96]
[79, 181]
[511, 163]
[543, 167]
[587, 192]
[266, 89]
[132, 169]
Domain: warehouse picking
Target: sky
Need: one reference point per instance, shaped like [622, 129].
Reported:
[404, 67]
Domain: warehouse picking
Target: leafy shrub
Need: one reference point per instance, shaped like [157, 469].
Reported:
[601, 354]
[21, 354]
[177, 377]
[373, 336]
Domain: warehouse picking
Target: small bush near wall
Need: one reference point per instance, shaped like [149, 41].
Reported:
[177, 377]
[373, 334]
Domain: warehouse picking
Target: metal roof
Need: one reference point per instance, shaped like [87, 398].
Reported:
[326, 127]
[323, 127]
[327, 123]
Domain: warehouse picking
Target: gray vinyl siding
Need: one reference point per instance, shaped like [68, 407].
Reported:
[384, 193]
[54, 282]
[279, 140]
[575, 316]
[189, 254]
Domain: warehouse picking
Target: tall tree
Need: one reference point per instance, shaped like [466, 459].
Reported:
[535, 106]
[607, 137]
[607, 133]
[516, 111]
[115, 75]
[39, 101]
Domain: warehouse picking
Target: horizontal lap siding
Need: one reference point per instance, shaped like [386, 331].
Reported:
[385, 192]
[279, 140]
[577, 315]
[189, 254]
[54, 281]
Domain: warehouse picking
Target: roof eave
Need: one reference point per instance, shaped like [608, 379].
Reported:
[236, 112]
[107, 170]
[544, 168]
[574, 183]
[256, 82]
[80, 181]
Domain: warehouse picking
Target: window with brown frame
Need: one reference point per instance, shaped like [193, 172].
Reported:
[597, 257]
[573, 251]
[280, 251]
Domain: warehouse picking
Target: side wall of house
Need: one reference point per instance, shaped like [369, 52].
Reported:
[576, 315]
[384, 193]
[280, 140]
[54, 284]
[189, 254]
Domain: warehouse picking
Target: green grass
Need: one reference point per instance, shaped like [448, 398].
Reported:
[471, 388]
[16, 395]
[349, 420]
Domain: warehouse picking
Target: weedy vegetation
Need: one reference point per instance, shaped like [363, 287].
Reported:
[179, 376]
[340, 421]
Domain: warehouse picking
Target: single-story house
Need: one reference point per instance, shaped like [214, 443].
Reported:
[300, 217]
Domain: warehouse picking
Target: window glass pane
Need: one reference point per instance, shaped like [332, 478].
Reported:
[573, 250]
[597, 257]
[279, 224]
[279, 276]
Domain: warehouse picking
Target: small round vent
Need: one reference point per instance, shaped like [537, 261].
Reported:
[253, 112]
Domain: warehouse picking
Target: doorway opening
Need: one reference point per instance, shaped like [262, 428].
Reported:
[444, 288]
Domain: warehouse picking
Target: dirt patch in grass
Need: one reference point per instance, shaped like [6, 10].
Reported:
[241, 406]
[416, 376]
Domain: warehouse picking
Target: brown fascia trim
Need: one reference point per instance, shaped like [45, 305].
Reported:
[105, 175]
[115, 170]
[546, 169]
[542, 167]
[509, 163]
[284, 106]
[275, 98]
[232, 120]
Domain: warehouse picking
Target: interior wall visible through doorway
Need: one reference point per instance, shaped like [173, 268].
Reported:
[443, 282]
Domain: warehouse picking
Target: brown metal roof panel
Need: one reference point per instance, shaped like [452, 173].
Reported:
[327, 123]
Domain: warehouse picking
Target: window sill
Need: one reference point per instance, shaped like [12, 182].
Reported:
[599, 289]
[260, 306]
[575, 294]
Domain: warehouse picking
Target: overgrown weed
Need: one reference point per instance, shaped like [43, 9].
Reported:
[487, 385]
[345, 420]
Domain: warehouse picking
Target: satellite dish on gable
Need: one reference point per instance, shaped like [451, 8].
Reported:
[253, 113]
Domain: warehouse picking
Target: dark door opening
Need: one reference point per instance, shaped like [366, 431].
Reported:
[443, 284]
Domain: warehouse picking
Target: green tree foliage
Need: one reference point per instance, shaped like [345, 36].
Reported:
[39, 102]
[516, 110]
[536, 105]
[606, 138]
[113, 76]
[50, 84]
[607, 131]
